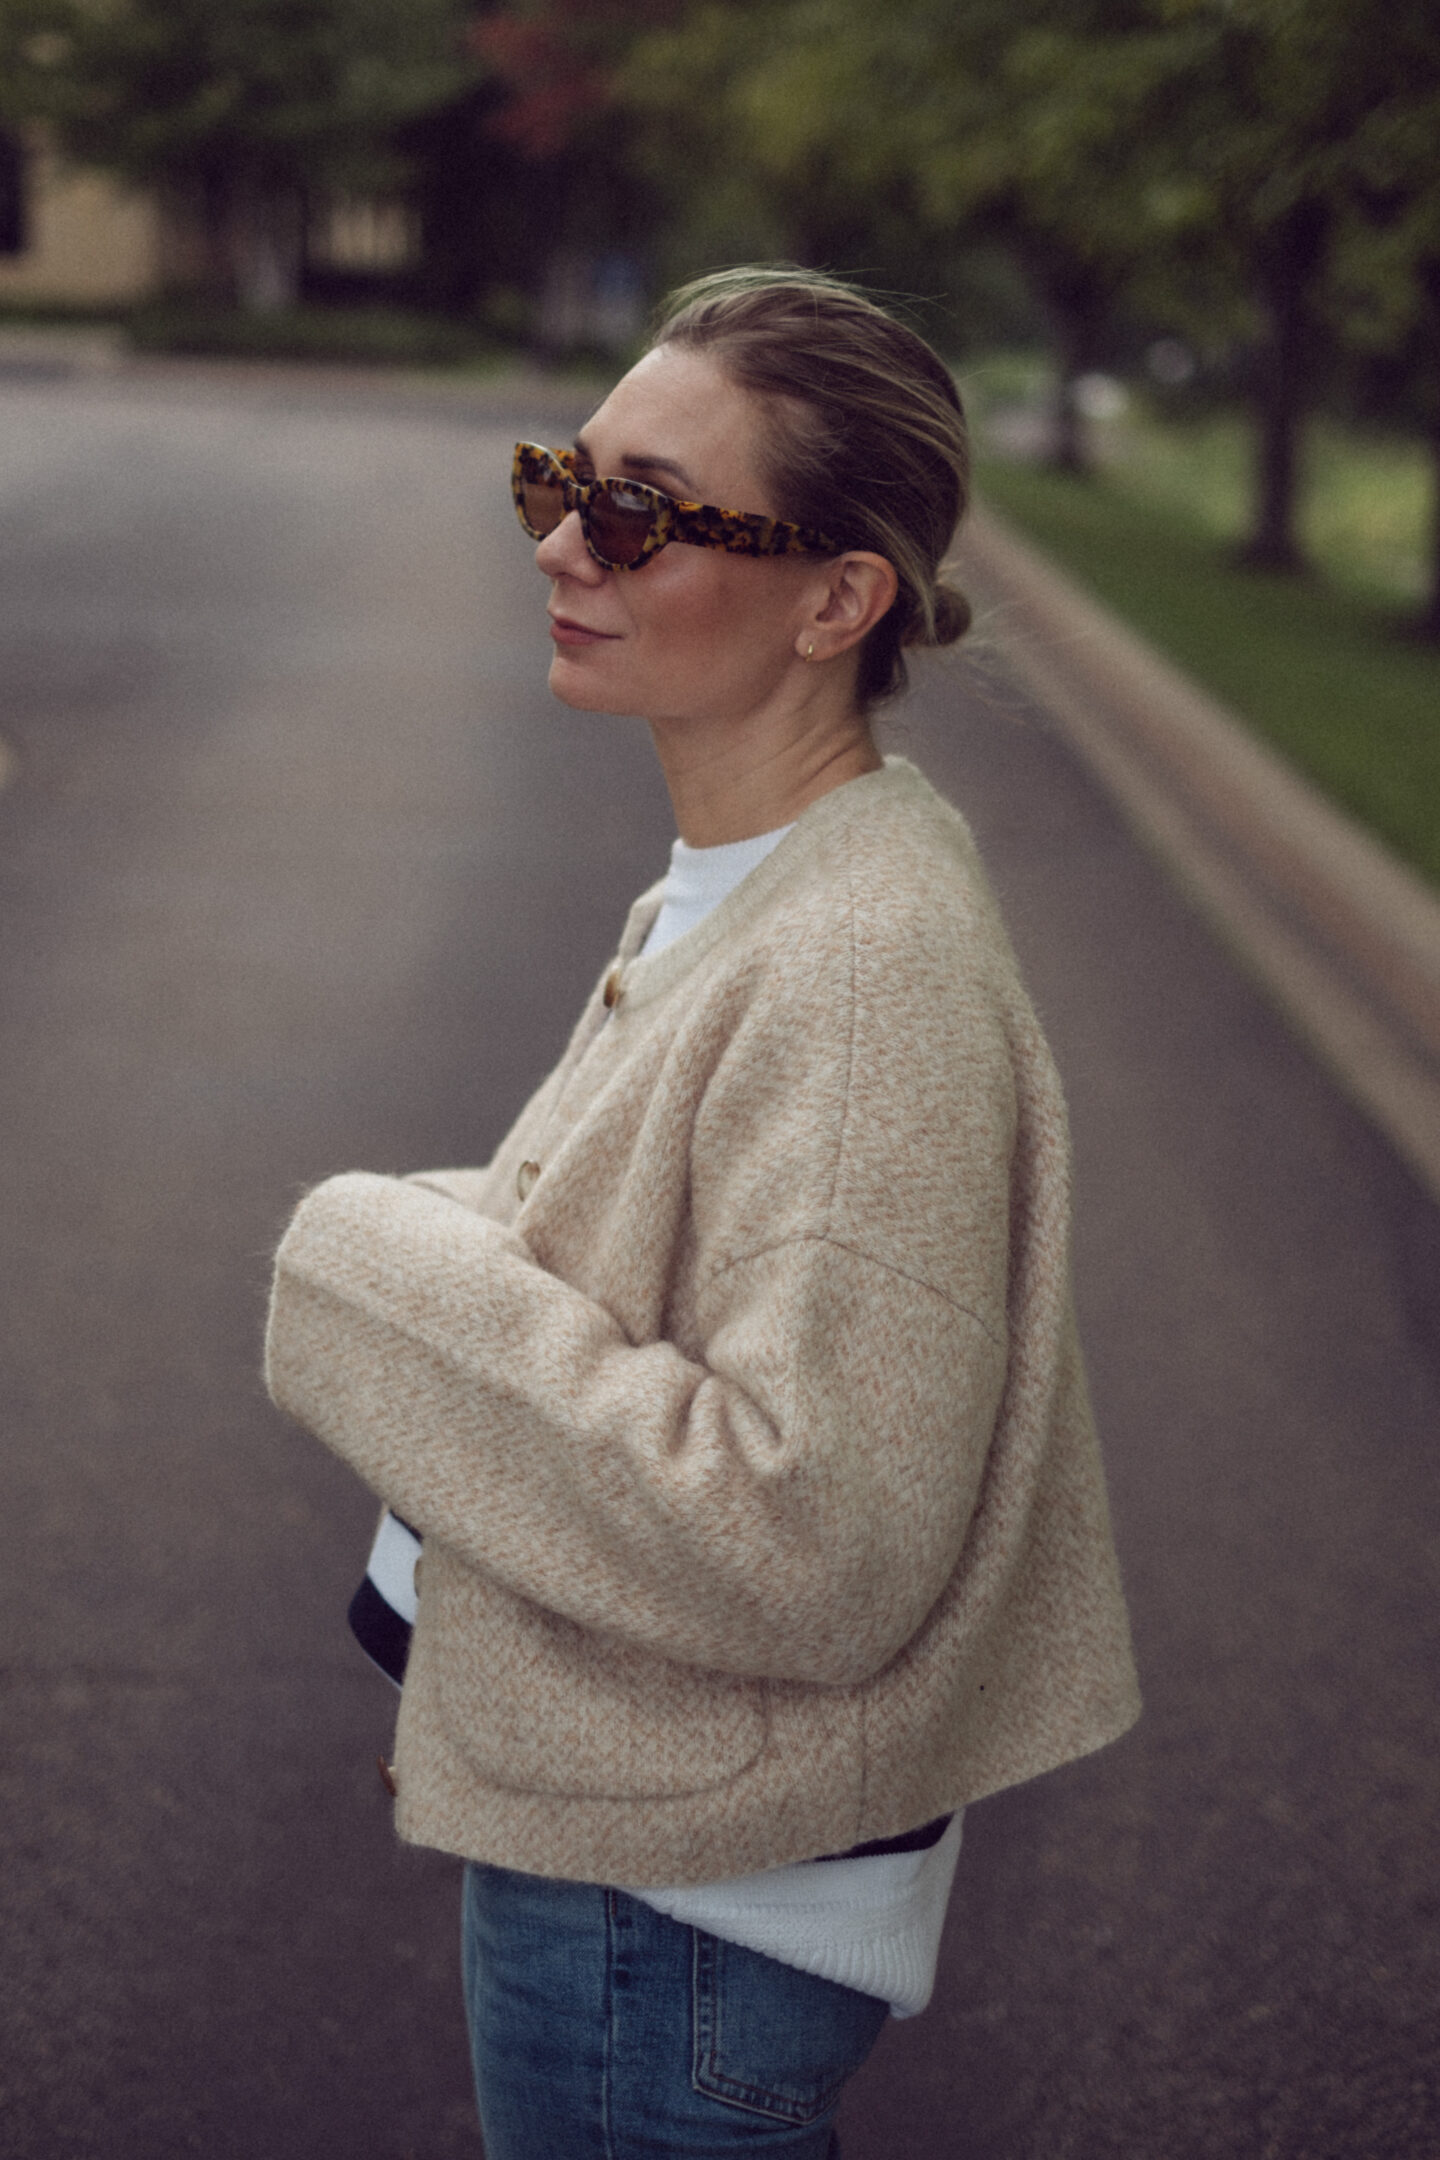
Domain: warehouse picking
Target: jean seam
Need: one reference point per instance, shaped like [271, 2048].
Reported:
[608, 2065]
[707, 2077]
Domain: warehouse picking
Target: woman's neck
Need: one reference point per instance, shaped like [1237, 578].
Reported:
[735, 783]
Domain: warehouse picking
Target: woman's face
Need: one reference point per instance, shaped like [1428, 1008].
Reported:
[695, 634]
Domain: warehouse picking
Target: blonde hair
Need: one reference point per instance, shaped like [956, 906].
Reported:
[863, 433]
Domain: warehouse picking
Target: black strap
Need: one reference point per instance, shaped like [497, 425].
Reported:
[380, 1631]
[920, 1840]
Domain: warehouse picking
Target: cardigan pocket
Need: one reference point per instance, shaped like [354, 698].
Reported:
[536, 1703]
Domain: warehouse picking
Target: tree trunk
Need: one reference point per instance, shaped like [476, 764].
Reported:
[217, 282]
[1069, 436]
[1288, 260]
[267, 240]
[254, 240]
[1430, 615]
[1077, 300]
[1428, 276]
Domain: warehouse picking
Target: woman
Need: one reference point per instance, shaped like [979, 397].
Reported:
[738, 1401]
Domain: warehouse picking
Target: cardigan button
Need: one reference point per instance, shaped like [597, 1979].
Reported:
[611, 991]
[387, 1777]
[525, 1178]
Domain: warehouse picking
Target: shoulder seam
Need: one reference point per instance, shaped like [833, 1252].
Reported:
[857, 1252]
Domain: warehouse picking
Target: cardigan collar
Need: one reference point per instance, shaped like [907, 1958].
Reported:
[644, 980]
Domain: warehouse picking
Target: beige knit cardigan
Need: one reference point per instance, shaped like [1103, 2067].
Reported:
[738, 1400]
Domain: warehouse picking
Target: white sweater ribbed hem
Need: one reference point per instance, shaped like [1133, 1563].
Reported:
[873, 1924]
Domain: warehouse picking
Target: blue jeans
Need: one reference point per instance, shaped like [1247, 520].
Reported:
[603, 2030]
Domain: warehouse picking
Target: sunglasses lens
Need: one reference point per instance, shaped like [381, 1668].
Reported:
[544, 503]
[620, 521]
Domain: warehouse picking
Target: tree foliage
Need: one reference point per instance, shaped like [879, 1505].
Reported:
[557, 62]
[1193, 162]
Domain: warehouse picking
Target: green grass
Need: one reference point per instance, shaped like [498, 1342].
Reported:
[1316, 664]
[57, 314]
[374, 336]
[1364, 508]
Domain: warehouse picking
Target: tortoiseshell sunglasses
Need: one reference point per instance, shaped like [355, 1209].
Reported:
[625, 522]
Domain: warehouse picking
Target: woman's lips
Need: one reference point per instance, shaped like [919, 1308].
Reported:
[566, 632]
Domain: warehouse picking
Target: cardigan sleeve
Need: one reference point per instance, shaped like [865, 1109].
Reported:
[790, 1507]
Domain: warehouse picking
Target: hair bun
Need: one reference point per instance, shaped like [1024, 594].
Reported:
[953, 615]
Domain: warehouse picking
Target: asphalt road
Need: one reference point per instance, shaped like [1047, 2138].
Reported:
[301, 869]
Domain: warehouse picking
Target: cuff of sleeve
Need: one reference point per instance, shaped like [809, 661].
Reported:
[366, 1244]
[465, 1186]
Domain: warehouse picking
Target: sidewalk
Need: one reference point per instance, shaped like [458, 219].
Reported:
[52, 352]
[100, 359]
[1343, 936]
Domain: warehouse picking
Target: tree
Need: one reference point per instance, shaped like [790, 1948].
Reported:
[566, 193]
[1185, 156]
[1185, 160]
[760, 123]
[1266, 98]
[242, 107]
[1390, 241]
[900, 131]
[1063, 153]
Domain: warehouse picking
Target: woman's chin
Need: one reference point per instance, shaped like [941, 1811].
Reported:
[569, 680]
[573, 683]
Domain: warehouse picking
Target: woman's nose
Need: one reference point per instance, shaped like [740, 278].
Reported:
[563, 553]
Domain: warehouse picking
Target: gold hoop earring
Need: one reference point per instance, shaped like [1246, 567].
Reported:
[810, 650]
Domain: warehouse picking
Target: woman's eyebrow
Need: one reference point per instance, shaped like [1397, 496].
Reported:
[640, 462]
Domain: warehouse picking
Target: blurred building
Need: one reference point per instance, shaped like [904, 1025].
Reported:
[77, 237]
[72, 237]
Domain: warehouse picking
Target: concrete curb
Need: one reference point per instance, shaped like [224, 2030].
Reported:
[54, 352]
[1343, 936]
[105, 365]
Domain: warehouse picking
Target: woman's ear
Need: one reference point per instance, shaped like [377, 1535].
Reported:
[858, 589]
